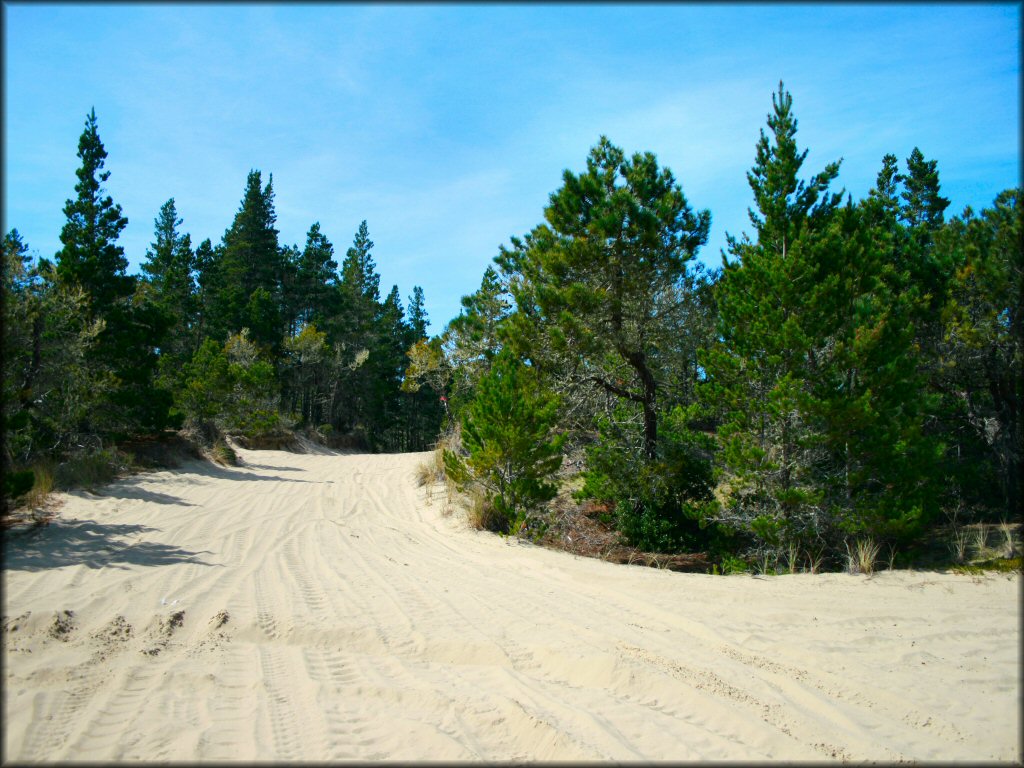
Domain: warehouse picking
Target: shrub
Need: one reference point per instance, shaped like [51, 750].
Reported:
[90, 469]
[511, 450]
[224, 454]
[661, 505]
[18, 483]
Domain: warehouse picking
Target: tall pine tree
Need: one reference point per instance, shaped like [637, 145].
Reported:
[757, 373]
[91, 257]
[133, 326]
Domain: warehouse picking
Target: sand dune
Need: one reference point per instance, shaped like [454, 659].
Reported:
[318, 607]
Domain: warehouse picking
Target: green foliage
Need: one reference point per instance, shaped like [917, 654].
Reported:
[982, 378]
[854, 371]
[242, 278]
[90, 468]
[18, 483]
[230, 387]
[507, 431]
[817, 377]
[596, 284]
[660, 505]
[731, 564]
[90, 256]
[54, 385]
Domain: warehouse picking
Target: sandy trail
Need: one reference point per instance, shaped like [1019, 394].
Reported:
[319, 607]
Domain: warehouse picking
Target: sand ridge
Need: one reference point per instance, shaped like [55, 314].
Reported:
[319, 606]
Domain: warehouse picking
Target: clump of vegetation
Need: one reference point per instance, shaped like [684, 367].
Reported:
[511, 449]
[222, 453]
[91, 469]
[863, 556]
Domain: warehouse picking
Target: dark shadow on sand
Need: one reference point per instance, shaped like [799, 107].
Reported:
[209, 469]
[89, 543]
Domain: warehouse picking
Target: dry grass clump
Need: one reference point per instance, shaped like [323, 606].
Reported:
[483, 516]
[431, 476]
[91, 469]
[43, 485]
[863, 556]
[431, 471]
[1008, 546]
[958, 544]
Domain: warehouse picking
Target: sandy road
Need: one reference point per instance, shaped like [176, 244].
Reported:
[319, 607]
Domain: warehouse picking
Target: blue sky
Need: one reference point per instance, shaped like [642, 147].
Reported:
[447, 126]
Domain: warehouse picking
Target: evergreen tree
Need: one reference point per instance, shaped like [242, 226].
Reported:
[513, 451]
[757, 373]
[170, 266]
[90, 256]
[356, 329]
[416, 316]
[472, 339]
[316, 279]
[52, 380]
[867, 394]
[359, 288]
[423, 408]
[207, 263]
[923, 206]
[596, 279]
[133, 326]
[246, 289]
[982, 379]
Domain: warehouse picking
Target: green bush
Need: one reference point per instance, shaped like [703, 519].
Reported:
[18, 483]
[660, 505]
[90, 469]
[507, 432]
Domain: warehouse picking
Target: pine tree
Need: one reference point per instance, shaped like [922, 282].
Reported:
[508, 431]
[758, 373]
[53, 382]
[246, 289]
[923, 206]
[90, 256]
[316, 279]
[595, 280]
[982, 380]
[359, 288]
[416, 316]
[357, 330]
[867, 396]
[471, 340]
[133, 326]
[170, 266]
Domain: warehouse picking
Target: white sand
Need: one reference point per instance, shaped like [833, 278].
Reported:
[362, 623]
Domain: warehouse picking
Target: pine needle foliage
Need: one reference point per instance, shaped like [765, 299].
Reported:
[508, 434]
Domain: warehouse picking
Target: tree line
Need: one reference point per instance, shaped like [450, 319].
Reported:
[854, 369]
[246, 336]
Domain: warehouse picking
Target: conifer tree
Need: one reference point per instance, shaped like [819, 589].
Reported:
[133, 326]
[982, 379]
[757, 373]
[246, 289]
[316, 279]
[471, 340]
[91, 257]
[357, 328]
[416, 316]
[508, 431]
[596, 278]
[170, 266]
